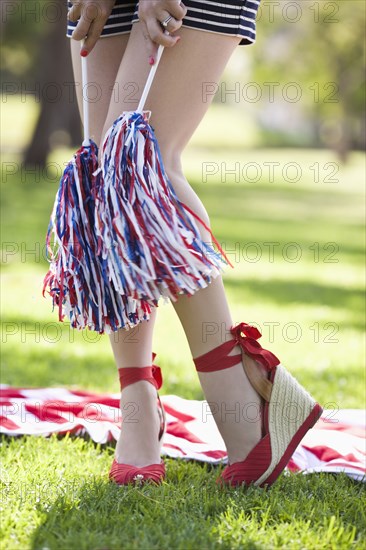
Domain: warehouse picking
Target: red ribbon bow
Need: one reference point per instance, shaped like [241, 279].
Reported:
[249, 331]
[247, 336]
[156, 372]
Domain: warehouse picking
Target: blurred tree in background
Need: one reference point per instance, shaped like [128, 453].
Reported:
[319, 45]
[313, 47]
[35, 60]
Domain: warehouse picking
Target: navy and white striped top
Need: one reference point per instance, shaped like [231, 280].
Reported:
[236, 18]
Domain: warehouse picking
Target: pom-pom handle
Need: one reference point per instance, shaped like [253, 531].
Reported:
[149, 80]
[84, 82]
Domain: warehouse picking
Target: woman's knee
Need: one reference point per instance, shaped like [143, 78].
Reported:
[184, 191]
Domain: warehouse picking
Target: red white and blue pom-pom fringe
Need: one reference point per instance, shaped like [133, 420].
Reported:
[76, 281]
[148, 239]
[119, 238]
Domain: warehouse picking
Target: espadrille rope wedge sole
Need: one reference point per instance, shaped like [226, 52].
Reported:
[123, 474]
[288, 413]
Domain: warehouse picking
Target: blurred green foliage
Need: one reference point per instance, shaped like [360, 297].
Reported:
[25, 24]
[313, 47]
[319, 45]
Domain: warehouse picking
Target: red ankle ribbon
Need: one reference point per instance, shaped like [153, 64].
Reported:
[130, 375]
[218, 358]
[246, 337]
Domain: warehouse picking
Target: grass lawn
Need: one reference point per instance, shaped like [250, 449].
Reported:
[297, 249]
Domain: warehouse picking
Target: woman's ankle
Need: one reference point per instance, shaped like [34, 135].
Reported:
[236, 408]
[138, 443]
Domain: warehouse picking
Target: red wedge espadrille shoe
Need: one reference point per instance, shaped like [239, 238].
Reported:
[124, 474]
[288, 413]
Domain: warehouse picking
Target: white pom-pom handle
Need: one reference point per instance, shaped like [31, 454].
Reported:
[84, 82]
[149, 80]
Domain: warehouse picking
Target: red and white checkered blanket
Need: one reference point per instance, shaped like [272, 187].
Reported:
[335, 444]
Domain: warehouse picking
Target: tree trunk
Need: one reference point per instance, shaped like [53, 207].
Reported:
[54, 79]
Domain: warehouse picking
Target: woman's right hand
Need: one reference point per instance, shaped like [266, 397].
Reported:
[92, 16]
[152, 13]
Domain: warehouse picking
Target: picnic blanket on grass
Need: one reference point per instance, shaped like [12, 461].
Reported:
[335, 444]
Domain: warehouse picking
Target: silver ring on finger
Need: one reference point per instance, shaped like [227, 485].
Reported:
[166, 21]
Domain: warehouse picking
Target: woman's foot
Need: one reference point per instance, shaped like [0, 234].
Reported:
[137, 457]
[261, 444]
[236, 407]
[139, 443]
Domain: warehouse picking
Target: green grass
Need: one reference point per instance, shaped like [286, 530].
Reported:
[55, 492]
[59, 498]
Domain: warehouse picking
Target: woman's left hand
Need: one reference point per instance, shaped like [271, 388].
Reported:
[152, 13]
[91, 16]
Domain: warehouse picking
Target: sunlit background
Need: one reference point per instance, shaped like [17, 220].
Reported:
[279, 163]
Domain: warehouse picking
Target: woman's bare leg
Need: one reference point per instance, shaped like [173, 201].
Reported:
[178, 103]
[134, 347]
[103, 64]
